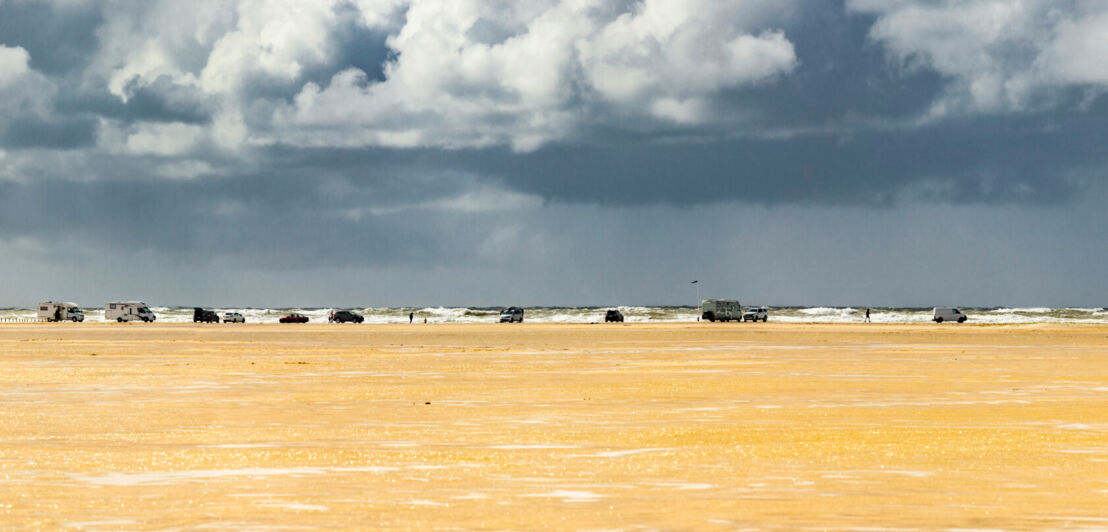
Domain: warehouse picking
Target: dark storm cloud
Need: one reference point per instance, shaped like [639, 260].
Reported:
[842, 78]
[64, 133]
[161, 101]
[284, 219]
[1029, 160]
[60, 38]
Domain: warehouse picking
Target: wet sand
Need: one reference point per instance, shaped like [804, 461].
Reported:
[658, 426]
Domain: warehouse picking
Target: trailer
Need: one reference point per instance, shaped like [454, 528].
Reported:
[60, 311]
[721, 310]
[122, 311]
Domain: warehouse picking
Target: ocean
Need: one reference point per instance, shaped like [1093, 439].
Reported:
[631, 314]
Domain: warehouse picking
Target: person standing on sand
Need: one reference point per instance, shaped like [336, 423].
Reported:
[411, 316]
[867, 316]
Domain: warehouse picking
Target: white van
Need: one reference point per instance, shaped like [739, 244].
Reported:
[55, 311]
[721, 310]
[942, 314]
[128, 311]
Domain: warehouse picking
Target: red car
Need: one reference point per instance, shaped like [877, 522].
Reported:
[294, 318]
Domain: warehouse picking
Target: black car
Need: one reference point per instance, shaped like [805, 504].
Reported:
[345, 316]
[613, 315]
[200, 315]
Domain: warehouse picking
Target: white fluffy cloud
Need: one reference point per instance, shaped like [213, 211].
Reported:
[13, 64]
[23, 90]
[462, 73]
[271, 38]
[998, 55]
[477, 73]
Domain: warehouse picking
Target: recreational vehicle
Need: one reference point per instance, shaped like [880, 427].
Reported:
[55, 311]
[128, 311]
[721, 310]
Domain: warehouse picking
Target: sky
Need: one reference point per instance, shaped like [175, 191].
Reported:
[554, 152]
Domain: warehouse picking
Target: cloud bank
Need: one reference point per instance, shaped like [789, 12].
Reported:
[457, 135]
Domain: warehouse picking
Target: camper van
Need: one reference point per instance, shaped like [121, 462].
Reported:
[128, 311]
[55, 311]
[721, 310]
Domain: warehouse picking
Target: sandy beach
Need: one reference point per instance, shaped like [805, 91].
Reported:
[590, 426]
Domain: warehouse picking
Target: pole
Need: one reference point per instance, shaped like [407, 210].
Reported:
[698, 302]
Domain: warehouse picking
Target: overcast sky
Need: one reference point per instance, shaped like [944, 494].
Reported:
[558, 152]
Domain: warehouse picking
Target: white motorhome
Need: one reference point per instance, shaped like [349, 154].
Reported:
[721, 310]
[60, 311]
[941, 314]
[128, 311]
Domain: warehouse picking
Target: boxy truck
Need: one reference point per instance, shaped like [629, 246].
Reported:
[721, 310]
[60, 311]
[128, 311]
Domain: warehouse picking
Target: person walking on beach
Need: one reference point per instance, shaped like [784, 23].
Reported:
[867, 316]
[411, 316]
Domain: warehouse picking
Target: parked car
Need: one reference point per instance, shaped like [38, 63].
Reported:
[200, 315]
[755, 314]
[345, 316]
[941, 314]
[613, 315]
[233, 317]
[511, 314]
[294, 318]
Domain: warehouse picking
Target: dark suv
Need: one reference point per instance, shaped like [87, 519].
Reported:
[613, 315]
[345, 316]
[200, 315]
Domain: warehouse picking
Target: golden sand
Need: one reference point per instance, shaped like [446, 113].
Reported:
[657, 426]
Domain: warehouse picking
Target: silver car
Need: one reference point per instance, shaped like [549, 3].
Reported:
[511, 314]
[755, 314]
[233, 317]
